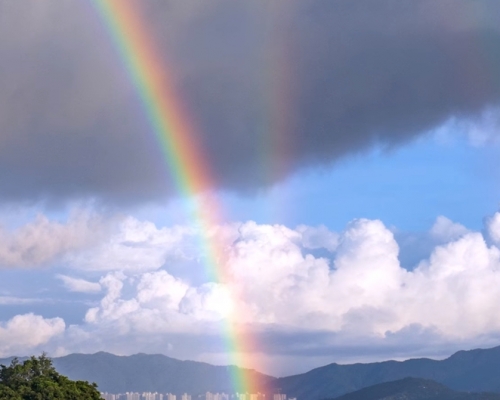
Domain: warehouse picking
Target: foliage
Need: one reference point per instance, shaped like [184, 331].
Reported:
[37, 379]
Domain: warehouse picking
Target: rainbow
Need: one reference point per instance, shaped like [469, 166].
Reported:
[184, 158]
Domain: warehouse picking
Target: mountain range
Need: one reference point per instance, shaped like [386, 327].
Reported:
[414, 389]
[150, 373]
[470, 371]
[474, 370]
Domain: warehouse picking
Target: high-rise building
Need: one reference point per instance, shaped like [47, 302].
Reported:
[216, 396]
[248, 396]
[257, 396]
[152, 396]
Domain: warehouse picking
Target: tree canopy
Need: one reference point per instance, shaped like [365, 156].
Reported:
[37, 379]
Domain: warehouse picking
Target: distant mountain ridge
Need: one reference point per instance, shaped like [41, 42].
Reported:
[470, 371]
[414, 389]
[149, 373]
[473, 370]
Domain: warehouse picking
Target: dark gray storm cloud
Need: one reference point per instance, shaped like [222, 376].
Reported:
[272, 87]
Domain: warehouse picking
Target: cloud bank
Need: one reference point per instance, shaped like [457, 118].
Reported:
[356, 296]
[28, 331]
[43, 241]
[269, 88]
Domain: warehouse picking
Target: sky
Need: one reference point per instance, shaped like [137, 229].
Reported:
[353, 148]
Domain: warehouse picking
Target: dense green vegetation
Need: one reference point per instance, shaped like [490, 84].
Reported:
[37, 379]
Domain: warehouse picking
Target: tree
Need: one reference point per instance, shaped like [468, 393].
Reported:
[37, 379]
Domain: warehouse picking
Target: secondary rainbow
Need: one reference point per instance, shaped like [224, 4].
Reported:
[185, 159]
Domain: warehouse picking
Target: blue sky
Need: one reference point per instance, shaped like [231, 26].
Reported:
[379, 238]
[407, 187]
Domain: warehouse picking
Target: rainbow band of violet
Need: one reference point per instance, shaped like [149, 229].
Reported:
[185, 160]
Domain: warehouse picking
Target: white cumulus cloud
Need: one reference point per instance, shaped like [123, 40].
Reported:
[446, 230]
[272, 280]
[42, 240]
[274, 283]
[493, 227]
[79, 285]
[137, 246]
[23, 333]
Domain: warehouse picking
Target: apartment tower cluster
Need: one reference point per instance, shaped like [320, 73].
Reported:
[185, 396]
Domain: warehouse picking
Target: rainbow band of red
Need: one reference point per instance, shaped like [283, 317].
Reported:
[185, 160]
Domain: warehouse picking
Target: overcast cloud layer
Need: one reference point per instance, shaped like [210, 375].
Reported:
[271, 87]
[355, 300]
